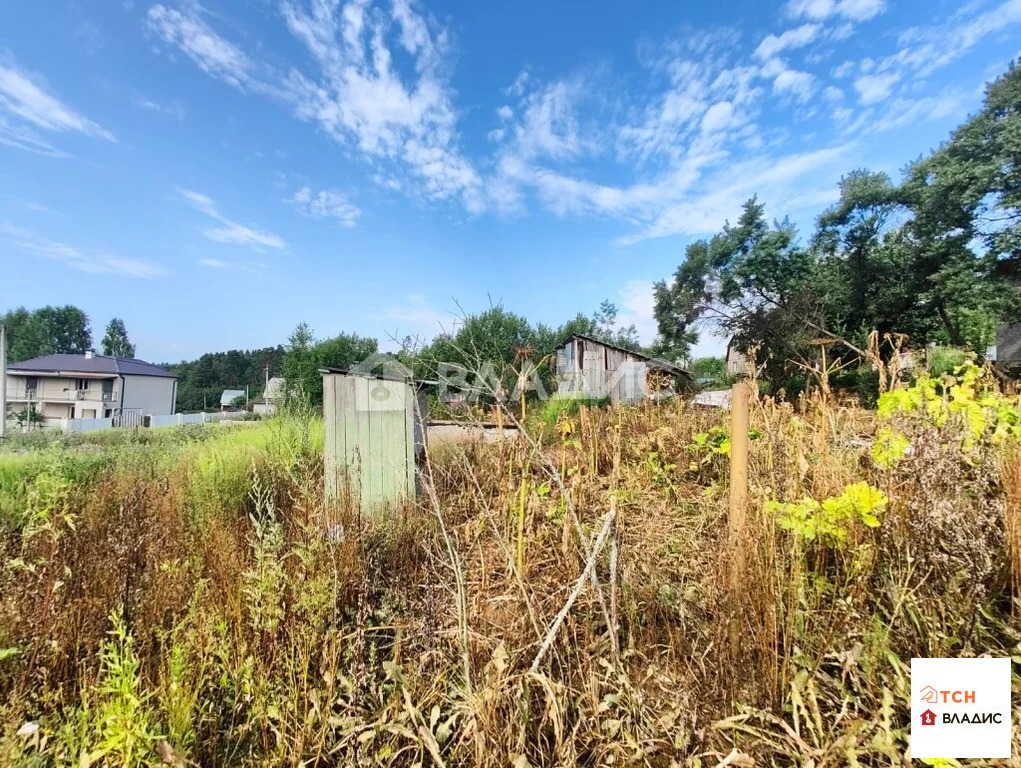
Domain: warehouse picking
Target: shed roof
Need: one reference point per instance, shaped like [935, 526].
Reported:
[230, 395]
[676, 370]
[96, 364]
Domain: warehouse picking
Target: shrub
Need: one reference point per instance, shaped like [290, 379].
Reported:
[940, 361]
[568, 405]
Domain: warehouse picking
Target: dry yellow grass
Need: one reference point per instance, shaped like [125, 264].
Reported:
[440, 636]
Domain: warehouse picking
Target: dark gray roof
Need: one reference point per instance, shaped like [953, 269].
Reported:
[99, 364]
[655, 362]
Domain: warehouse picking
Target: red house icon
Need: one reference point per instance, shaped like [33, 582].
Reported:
[928, 717]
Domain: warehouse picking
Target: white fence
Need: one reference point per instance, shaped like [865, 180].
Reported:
[77, 426]
[177, 419]
[85, 425]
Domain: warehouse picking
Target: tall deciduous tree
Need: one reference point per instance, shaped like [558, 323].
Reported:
[751, 280]
[305, 356]
[47, 330]
[116, 342]
[937, 257]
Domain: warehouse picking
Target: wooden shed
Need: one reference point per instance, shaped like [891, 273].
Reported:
[374, 436]
[1008, 346]
[591, 368]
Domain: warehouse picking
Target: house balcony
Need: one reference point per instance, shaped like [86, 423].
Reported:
[49, 395]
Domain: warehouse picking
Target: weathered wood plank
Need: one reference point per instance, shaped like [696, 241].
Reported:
[330, 428]
[370, 442]
[353, 438]
[414, 423]
[391, 415]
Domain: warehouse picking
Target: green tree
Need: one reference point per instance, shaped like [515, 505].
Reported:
[849, 236]
[752, 281]
[47, 330]
[305, 356]
[963, 241]
[710, 371]
[116, 342]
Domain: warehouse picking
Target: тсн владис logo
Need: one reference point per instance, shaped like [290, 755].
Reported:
[960, 708]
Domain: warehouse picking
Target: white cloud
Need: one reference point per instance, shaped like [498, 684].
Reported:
[327, 203]
[926, 49]
[843, 70]
[718, 117]
[717, 198]
[27, 108]
[171, 110]
[360, 99]
[855, 10]
[797, 37]
[833, 94]
[518, 86]
[213, 263]
[637, 305]
[231, 231]
[659, 150]
[420, 316]
[186, 31]
[549, 126]
[94, 261]
[875, 88]
[798, 84]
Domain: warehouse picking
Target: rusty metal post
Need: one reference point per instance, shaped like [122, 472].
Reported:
[738, 502]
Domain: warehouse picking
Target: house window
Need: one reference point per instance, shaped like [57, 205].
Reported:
[81, 384]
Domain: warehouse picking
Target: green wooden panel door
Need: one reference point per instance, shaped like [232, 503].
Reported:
[369, 442]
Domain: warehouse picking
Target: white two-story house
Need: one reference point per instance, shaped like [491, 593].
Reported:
[89, 386]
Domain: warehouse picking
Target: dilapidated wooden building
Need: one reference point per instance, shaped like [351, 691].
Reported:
[588, 367]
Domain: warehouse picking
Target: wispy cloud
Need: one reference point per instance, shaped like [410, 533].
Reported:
[326, 204]
[855, 10]
[360, 99]
[800, 85]
[27, 108]
[174, 110]
[231, 231]
[797, 37]
[213, 263]
[637, 308]
[658, 150]
[355, 94]
[419, 316]
[94, 261]
[874, 88]
[186, 31]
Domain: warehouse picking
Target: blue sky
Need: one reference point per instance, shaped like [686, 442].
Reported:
[215, 173]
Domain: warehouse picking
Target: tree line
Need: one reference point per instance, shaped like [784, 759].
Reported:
[934, 258]
[60, 330]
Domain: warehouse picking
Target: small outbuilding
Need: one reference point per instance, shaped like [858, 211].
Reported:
[1008, 346]
[374, 434]
[228, 397]
[588, 367]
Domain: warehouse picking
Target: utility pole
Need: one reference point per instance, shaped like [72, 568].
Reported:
[3, 381]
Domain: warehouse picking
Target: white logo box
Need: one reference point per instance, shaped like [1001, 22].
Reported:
[968, 701]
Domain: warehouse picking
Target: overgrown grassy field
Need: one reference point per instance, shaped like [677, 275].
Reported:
[170, 598]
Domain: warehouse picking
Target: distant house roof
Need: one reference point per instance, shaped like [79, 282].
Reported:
[275, 389]
[95, 364]
[230, 395]
[655, 362]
